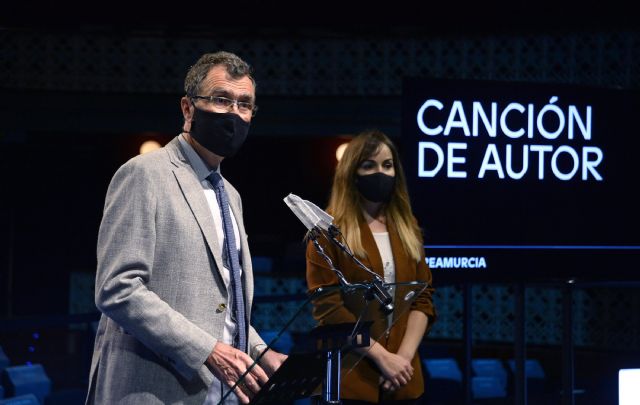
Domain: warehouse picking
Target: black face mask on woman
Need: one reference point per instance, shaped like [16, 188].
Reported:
[221, 133]
[376, 187]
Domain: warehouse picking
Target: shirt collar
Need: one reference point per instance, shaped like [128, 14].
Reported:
[198, 165]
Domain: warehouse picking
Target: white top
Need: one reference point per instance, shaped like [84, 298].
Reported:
[384, 247]
[202, 172]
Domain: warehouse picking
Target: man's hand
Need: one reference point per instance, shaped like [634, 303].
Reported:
[271, 361]
[228, 364]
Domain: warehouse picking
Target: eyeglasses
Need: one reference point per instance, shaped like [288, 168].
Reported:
[244, 107]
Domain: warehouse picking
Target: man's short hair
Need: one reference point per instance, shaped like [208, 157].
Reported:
[235, 66]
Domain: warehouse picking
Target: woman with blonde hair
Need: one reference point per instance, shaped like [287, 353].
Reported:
[371, 207]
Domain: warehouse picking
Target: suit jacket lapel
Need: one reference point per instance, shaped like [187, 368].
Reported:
[193, 194]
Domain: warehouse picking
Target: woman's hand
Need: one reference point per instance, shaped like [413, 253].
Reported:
[396, 370]
[416, 326]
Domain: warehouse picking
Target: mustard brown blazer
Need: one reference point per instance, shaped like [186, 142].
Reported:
[363, 382]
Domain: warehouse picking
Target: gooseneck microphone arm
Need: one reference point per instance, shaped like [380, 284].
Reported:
[333, 232]
[313, 236]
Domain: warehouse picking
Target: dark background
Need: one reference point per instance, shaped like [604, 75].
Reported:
[60, 143]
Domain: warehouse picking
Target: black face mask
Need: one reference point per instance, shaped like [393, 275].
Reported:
[376, 187]
[221, 133]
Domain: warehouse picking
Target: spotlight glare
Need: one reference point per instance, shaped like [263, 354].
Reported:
[340, 150]
[148, 146]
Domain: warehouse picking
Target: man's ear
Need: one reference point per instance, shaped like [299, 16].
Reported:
[187, 113]
[187, 108]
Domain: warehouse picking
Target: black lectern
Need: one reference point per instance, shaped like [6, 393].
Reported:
[333, 347]
[325, 353]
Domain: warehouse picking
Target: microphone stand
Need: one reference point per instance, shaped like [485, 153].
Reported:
[375, 290]
[316, 220]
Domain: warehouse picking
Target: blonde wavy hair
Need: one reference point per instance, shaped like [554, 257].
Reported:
[345, 202]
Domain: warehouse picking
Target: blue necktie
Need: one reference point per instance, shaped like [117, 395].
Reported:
[232, 262]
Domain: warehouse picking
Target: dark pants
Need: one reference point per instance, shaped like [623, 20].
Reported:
[404, 402]
[317, 401]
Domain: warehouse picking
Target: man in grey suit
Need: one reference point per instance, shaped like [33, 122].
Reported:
[169, 329]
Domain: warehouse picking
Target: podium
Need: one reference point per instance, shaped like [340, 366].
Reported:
[346, 319]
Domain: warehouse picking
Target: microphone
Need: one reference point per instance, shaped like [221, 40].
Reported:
[325, 221]
[308, 218]
[311, 221]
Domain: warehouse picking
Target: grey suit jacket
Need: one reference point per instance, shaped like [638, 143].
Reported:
[158, 285]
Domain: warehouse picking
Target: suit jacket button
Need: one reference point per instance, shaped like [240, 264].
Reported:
[221, 307]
